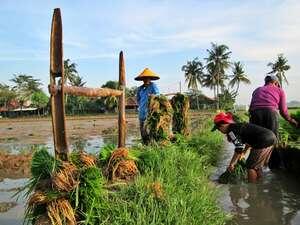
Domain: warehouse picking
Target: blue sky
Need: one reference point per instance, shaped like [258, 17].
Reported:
[158, 34]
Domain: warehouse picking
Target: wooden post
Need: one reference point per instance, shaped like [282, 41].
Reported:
[57, 100]
[122, 118]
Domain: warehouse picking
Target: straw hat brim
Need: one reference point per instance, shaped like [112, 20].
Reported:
[141, 78]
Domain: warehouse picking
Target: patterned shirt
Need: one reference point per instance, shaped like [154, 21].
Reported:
[143, 93]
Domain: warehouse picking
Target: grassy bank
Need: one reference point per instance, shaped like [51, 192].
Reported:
[173, 187]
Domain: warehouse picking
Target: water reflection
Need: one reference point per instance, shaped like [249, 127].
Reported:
[275, 200]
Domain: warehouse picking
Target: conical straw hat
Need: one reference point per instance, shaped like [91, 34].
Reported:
[147, 73]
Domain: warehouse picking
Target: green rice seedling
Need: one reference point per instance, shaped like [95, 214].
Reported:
[90, 190]
[237, 175]
[105, 154]
[180, 105]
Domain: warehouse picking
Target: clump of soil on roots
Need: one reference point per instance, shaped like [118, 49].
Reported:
[120, 167]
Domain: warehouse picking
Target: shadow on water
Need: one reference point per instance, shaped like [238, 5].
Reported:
[275, 200]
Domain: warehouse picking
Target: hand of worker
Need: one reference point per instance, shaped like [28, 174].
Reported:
[293, 122]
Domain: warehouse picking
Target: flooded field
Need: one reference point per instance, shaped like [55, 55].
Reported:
[275, 200]
[21, 136]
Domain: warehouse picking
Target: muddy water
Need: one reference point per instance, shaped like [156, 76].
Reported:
[275, 200]
[21, 136]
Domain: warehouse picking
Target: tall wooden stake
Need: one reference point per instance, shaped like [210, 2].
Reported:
[57, 99]
[122, 119]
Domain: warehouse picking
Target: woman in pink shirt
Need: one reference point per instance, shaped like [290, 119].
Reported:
[265, 103]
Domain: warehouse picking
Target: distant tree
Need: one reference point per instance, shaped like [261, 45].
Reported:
[77, 81]
[193, 72]
[40, 100]
[25, 86]
[7, 94]
[239, 76]
[279, 67]
[131, 92]
[217, 63]
[227, 98]
[70, 70]
[111, 102]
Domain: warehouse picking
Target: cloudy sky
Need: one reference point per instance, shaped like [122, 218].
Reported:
[159, 34]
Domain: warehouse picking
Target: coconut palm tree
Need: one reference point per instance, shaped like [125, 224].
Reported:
[217, 62]
[239, 76]
[193, 72]
[70, 70]
[279, 67]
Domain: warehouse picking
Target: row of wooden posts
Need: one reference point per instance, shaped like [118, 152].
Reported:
[57, 89]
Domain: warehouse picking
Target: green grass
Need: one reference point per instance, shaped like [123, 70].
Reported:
[182, 170]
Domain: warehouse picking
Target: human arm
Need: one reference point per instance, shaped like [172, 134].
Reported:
[155, 90]
[284, 110]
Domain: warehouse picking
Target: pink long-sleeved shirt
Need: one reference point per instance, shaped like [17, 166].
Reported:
[270, 97]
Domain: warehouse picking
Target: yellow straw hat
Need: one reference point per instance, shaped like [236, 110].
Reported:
[147, 73]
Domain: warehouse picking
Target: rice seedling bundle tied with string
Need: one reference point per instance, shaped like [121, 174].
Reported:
[180, 104]
[159, 118]
[58, 191]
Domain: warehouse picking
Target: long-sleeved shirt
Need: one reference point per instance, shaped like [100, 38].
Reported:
[142, 97]
[270, 97]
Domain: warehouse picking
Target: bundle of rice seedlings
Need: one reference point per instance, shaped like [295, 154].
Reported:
[159, 118]
[180, 104]
[120, 166]
[82, 159]
[89, 196]
[237, 175]
[105, 154]
[60, 212]
[66, 178]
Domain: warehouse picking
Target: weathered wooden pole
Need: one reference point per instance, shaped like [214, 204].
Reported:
[122, 118]
[85, 91]
[57, 99]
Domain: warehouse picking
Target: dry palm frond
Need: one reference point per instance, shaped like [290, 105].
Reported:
[61, 212]
[66, 178]
[37, 198]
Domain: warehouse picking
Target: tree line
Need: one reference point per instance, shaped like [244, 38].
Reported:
[26, 89]
[218, 73]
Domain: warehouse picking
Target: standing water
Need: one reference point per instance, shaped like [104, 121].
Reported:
[274, 200]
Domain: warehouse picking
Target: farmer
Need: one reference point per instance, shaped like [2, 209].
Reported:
[144, 91]
[244, 136]
[265, 102]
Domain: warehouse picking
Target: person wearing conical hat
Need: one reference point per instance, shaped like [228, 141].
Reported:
[144, 91]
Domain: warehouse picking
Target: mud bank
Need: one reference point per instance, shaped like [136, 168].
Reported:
[14, 166]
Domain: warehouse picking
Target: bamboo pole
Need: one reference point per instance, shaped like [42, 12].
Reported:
[57, 100]
[84, 91]
[122, 118]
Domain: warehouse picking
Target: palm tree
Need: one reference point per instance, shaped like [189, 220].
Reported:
[217, 62]
[70, 70]
[279, 68]
[193, 72]
[238, 76]
[77, 81]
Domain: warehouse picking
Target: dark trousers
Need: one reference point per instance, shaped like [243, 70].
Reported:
[144, 134]
[269, 119]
